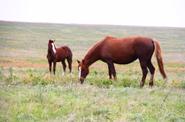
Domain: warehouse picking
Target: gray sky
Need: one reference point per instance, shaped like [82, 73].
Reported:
[117, 12]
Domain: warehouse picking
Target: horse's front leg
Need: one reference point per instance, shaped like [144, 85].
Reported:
[50, 65]
[54, 67]
[112, 70]
[110, 73]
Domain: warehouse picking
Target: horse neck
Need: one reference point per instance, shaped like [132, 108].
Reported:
[51, 50]
[92, 56]
[55, 47]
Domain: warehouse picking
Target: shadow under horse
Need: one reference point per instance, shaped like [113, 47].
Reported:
[124, 51]
[59, 54]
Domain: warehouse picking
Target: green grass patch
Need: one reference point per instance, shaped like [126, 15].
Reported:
[77, 102]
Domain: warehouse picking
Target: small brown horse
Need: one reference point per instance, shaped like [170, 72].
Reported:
[123, 51]
[58, 55]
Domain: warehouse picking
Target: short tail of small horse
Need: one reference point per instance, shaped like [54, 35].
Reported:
[159, 58]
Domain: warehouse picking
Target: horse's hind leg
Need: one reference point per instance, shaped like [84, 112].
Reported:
[69, 60]
[152, 71]
[143, 65]
[64, 66]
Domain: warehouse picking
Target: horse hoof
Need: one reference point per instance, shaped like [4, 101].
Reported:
[141, 85]
[151, 85]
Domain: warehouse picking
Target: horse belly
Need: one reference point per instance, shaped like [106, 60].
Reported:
[123, 55]
[119, 56]
[124, 59]
[59, 57]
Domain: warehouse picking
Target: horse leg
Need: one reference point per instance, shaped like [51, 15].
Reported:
[110, 73]
[50, 65]
[143, 65]
[69, 60]
[112, 70]
[152, 71]
[54, 67]
[64, 66]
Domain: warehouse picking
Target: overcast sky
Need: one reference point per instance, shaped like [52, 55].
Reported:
[117, 12]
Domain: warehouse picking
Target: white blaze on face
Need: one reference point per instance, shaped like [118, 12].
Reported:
[53, 48]
[79, 72]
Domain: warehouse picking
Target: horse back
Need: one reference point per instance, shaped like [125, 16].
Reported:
[63, 52]
[125, 50]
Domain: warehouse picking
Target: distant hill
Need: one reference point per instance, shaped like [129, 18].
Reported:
[20, 39]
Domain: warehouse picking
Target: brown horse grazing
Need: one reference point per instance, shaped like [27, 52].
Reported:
[58, 55]
[123, 51]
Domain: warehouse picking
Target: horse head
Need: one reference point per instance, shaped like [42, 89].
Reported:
[51, 46]
[83, 70]
[50, 42]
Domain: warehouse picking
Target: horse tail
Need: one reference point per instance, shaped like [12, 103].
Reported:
[159, 58]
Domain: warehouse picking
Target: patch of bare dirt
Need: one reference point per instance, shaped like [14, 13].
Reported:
[21, 64]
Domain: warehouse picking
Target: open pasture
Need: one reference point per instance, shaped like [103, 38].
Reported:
[29, 93]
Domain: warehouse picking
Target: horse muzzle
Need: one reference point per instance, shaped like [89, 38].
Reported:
[81, 80]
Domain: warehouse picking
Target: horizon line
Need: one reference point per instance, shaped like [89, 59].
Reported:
[93, 24]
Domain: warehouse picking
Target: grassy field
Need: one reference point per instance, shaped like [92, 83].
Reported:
[29, 93]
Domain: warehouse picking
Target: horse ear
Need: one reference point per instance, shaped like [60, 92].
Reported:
[53, 40]
[78, 61]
